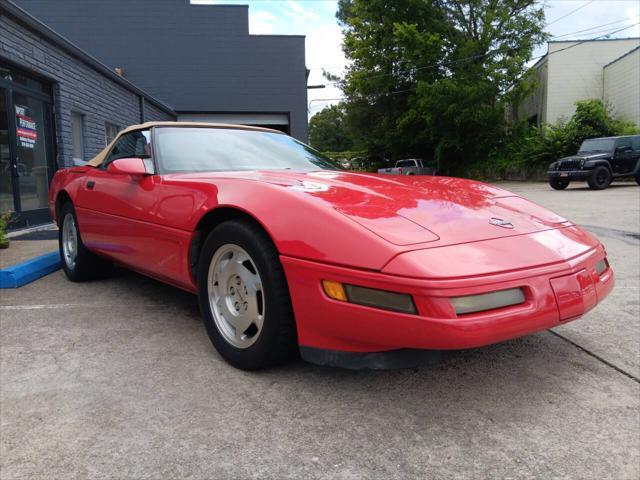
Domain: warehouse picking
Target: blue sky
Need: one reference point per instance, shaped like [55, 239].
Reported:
[316, 19]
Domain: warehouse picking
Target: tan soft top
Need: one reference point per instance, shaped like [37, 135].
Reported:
[98, 159]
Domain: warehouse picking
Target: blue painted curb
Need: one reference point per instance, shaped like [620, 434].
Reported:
[30, 270]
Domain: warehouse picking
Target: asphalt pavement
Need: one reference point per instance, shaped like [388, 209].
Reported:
[117, 379]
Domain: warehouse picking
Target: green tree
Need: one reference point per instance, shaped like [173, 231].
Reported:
[432, 78]
[328, 132]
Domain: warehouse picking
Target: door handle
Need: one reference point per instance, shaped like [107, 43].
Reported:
[91, 184]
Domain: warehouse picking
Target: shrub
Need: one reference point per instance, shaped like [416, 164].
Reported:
[4, 220]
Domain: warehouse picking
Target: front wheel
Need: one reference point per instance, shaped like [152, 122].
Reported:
[600, 178]
[558, 183]
[78, 263]
[244, 297]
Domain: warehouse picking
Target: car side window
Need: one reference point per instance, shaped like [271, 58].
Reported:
[132, 144]
[624, 143]
[406, 163]
[635, 142]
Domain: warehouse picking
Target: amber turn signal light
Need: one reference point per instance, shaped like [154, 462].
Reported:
[369, 297]
[334, 290]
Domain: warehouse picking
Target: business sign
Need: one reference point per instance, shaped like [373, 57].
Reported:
[26, 131]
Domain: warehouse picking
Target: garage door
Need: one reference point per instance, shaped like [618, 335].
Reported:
[278, 121]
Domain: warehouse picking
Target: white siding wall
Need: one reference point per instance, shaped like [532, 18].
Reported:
[577, 73]
[622, 86]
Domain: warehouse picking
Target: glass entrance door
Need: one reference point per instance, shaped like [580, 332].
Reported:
[6, 185]
[31, 158]
[26, 149]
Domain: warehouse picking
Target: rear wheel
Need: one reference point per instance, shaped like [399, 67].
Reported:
[78, 263]
[559, 183]
[600, 178]
[244, 297]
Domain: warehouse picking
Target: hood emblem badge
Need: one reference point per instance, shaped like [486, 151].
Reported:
[499, 222]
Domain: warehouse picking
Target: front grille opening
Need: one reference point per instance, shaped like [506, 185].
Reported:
[569, 165]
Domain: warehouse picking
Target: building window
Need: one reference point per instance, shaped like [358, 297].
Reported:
[110, 132]
[78, 138]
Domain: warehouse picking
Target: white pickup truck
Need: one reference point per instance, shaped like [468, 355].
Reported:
[409, 166]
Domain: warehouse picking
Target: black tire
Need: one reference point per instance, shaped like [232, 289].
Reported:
[276, 342]
[600, 178]
[638, 178]
[86, 266]
[559, 183]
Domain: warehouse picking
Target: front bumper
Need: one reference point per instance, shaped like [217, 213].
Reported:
[554, 294]
[569, 174]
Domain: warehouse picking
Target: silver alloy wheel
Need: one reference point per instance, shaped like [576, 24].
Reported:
[69, 241]
[236, 295]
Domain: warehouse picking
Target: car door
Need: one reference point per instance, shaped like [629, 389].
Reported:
[635, 161]
[623, 156]
[117, 213]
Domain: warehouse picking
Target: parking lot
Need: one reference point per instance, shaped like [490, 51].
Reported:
[118, 379]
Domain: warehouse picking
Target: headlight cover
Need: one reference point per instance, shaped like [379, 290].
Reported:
[487, 301]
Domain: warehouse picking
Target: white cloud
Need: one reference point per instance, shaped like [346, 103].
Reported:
[300, 14]
[261, 22]
[324, 51]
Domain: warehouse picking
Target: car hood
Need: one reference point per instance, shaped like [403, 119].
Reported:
[434, 211]
[587, 156]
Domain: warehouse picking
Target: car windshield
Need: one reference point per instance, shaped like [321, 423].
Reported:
[597, 145]
[201, 149]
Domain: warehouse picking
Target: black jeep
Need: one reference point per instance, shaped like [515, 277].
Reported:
[598, 161]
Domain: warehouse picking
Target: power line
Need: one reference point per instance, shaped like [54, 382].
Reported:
[591, 33]
[596, 27]
[571, 12]
[586, 40]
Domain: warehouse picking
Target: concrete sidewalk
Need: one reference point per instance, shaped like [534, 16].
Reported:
[23, 248]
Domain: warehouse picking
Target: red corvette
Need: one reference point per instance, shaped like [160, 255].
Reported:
[289, 253]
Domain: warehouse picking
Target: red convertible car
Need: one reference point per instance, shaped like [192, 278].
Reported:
[288, 253]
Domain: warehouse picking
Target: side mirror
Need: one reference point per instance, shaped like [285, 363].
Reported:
[129, 166]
